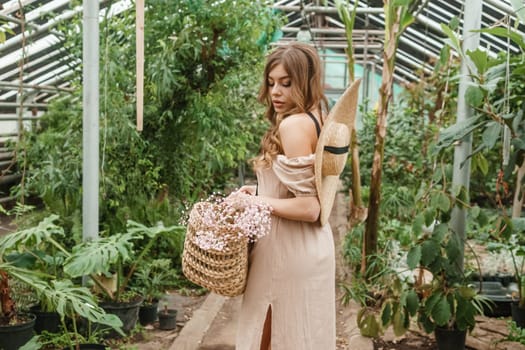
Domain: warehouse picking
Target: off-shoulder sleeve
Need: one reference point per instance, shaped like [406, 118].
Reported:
[297, 174]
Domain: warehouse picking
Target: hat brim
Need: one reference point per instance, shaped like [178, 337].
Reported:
[344, 112]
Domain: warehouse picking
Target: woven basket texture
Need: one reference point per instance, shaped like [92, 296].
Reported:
[222, 272]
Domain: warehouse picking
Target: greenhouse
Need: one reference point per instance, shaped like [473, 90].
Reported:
[262, 174]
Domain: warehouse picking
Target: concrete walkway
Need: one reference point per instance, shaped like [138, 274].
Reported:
[213, 327]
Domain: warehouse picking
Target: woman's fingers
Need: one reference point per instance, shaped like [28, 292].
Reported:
[247, 190]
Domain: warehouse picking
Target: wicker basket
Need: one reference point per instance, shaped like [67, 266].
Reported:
[222, 272]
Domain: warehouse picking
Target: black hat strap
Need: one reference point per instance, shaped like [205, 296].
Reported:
[337, 150]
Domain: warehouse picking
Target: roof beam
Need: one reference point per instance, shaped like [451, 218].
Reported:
[500, 5]
[35, 87]
[323, 9]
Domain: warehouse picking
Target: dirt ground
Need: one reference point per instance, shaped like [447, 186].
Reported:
[154, 338]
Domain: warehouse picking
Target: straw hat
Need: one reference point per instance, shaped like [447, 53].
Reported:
[331, 152]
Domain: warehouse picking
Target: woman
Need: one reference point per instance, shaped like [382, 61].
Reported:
[289, 302]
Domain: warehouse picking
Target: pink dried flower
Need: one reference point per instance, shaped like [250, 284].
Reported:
[218, 221]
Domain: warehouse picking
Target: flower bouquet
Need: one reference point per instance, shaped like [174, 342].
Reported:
[219, 230]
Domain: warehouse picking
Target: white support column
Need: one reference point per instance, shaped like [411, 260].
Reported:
[90, 120]
[461, 174]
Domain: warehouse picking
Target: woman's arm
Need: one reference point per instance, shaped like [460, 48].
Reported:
[296, 208]
[298, 138]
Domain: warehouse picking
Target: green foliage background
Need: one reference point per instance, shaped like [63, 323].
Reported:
[201, 119]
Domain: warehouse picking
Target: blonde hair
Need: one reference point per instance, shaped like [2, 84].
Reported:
[303, 66]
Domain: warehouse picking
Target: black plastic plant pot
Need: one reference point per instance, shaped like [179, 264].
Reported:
[450, 339]
[499, 295]
[167, 319]
[518, 314]
[127, 312]
[12, 337]
[46, 321]
[148, 313]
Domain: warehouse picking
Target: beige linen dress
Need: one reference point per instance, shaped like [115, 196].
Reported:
[292, 270]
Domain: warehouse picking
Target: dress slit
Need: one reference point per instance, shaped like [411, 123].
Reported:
[266, 336]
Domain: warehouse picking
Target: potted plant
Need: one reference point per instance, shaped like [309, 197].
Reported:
[58, 293]
[494, 124]
[439, 296]
[511, 230]
[16, 328]
[118, 254]
[152, 278]
[436, 293]
[43, 256]
[167, 318]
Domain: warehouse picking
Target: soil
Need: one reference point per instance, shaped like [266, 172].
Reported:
[413, 341]
[405, 344]
[154, 338]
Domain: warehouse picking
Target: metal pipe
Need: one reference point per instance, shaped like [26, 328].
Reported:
[47, 84]
[38, 30]
[35, 87]
[90, 120]
[14, 117]
[462, 150]
[377, 32]
[500, 5]
[27, 105]
[16, 40]
[341, 45]
[323, 9]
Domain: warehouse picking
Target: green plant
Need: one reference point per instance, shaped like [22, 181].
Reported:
[516, 333]
[3, 30]
[497, 124]
[153, 278]
[62, 340]
[200, 116]
[56, 292]
[439, 294]
[120, 253]
[511, 240]
[399, 15]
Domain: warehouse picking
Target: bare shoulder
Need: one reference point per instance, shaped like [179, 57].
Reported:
[298, 135]
[298, 123]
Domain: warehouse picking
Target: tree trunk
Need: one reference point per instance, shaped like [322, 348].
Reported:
[371, 228]
[6, 302]
[517, 203]
[398, 16]
[358, 211]
[397, 19]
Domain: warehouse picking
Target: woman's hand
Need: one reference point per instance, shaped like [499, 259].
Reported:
[245, 193]
[248, 189]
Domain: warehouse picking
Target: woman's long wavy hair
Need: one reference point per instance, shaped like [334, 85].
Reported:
[303, 66]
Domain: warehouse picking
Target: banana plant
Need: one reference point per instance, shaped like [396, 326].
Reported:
[399, 15]
[358, 211]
